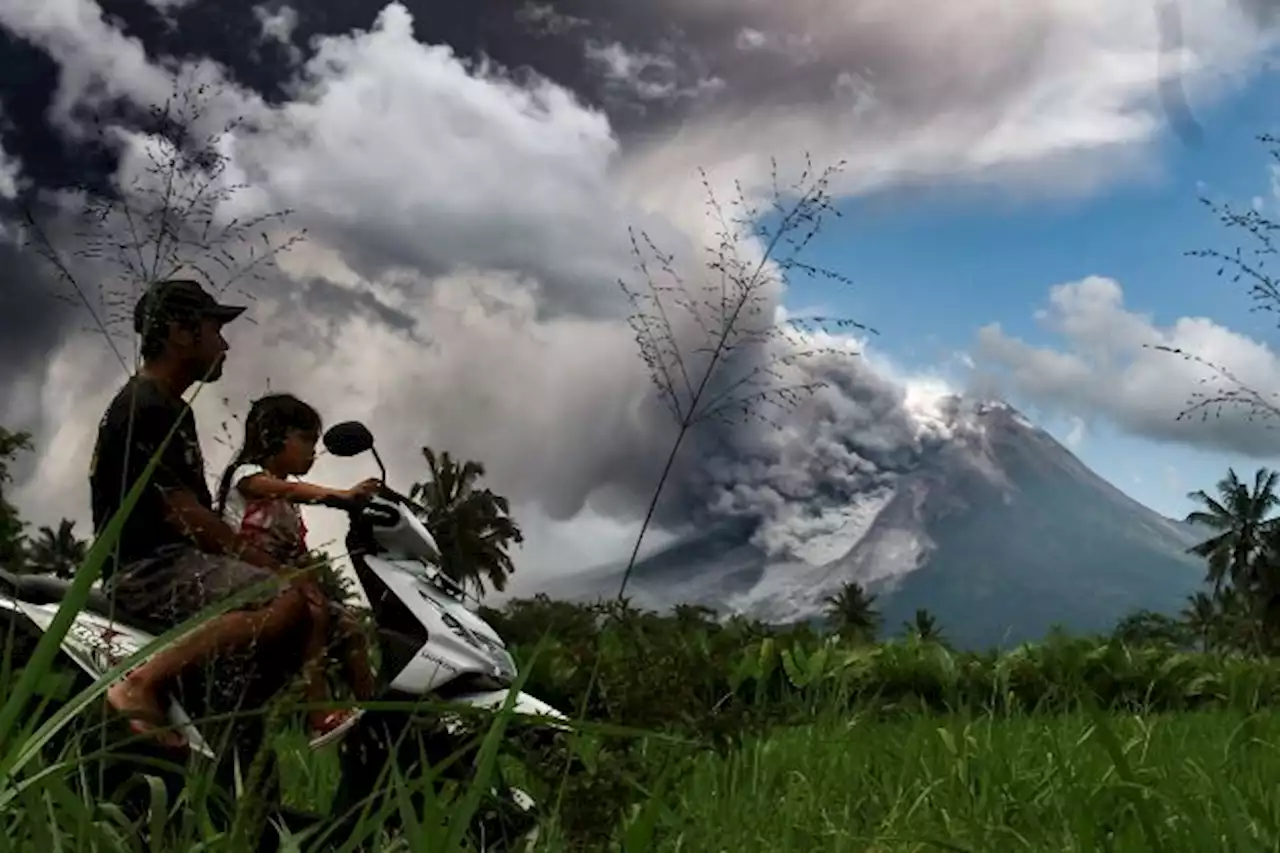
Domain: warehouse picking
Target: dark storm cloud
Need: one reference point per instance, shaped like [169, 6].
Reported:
[231, 33]
[35, 309]
[342, 301]
[648, 64]
[37, 312]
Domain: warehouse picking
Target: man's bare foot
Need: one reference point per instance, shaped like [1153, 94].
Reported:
[130, 698]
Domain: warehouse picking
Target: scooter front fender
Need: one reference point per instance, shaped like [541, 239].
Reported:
[523, 704]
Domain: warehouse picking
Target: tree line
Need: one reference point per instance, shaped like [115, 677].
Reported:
[1239, 610]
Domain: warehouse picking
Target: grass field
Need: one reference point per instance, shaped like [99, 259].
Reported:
[1186, 782]
[889, 772]
[846, 780]
[1191, 781]
[1177, 782]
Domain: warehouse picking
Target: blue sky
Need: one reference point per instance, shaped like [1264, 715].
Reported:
[932, 269]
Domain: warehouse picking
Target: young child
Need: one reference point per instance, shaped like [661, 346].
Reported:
[259, 496]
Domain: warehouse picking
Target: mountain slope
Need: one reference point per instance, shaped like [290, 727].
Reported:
[1000, 531]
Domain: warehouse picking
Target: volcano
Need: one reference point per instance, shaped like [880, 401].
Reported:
[999, 531]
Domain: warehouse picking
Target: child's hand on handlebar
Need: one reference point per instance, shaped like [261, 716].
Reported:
[364, 489]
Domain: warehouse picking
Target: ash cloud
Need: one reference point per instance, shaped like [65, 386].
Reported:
[466, 172]
[36, 313]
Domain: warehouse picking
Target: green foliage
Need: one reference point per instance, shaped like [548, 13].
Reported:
[57, 552]
[718, 681]
[1147, 628]
[11, 526]
[852, 611]
[924, 627]
[1240, 517]
[472, 526]
[340, 588]
[1194, 783]
[721, 685]
[1242, 608]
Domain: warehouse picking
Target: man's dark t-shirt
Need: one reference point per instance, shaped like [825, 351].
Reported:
[133, 429]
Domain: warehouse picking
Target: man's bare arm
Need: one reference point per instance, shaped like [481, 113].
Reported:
[209, 532]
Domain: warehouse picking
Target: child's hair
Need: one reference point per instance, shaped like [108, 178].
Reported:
[265, 429]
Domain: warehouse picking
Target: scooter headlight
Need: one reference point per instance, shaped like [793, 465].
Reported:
[504, 665]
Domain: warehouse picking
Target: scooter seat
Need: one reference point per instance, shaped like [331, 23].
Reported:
[50, 589]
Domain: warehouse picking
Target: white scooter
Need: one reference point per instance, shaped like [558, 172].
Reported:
[432, 647]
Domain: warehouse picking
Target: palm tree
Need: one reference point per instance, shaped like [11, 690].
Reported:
[12, 529]
[472, 526]
[1147, 627]
[1203, 619]
[58, 552]
[693, 615]
[1238, 625]
[852, 609]
[1241, 517]
[924, 626]
[1263, 591]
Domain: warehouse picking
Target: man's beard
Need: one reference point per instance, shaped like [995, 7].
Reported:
[213, 372]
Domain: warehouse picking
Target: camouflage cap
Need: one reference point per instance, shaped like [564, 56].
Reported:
[179, 299]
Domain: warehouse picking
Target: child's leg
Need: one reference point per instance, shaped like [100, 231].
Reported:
[356, 657]
[316, 689]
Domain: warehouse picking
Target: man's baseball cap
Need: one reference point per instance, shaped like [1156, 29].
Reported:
[180, 299]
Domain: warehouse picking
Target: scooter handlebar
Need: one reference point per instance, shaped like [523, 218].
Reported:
[364, 506]
[351, 505]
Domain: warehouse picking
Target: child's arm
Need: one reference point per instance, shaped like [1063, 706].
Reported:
[265, 487]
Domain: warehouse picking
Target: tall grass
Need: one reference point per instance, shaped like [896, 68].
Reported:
[50, 802]
[50, 752]
[847, 781]
[979, 783]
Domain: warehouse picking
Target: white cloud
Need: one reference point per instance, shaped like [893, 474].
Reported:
[1079, 432]
[10, 177]
[401, 156]
[1106, 366]
[278, 25]
[649, 76]
[1037, 94]
[542, 18]
[98, 63]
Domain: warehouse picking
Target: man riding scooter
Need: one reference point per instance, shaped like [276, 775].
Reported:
[175, 556]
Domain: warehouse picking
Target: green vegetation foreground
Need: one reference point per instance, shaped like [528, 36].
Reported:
[1178, 783]
[1190, 782]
